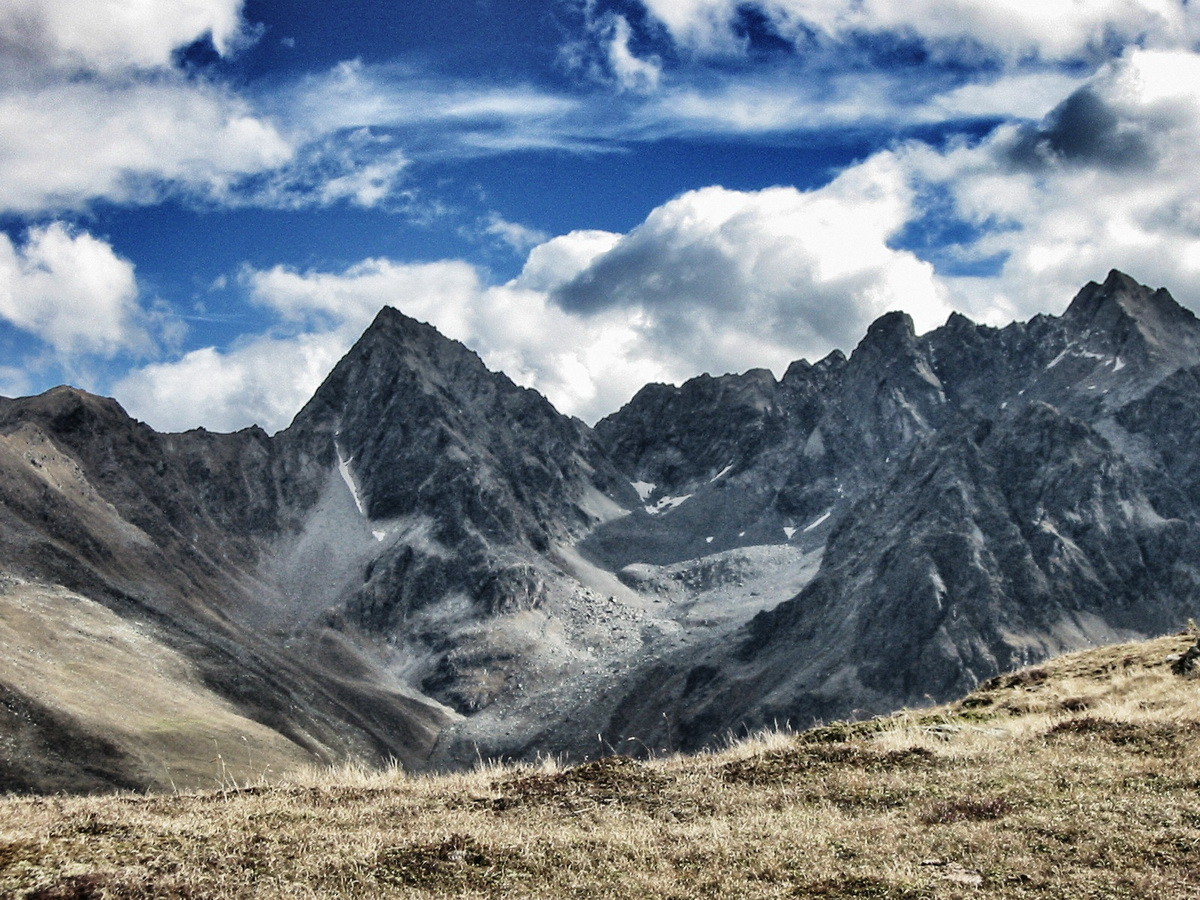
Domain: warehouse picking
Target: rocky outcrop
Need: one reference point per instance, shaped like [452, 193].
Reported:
[429, 430]
[671, 436]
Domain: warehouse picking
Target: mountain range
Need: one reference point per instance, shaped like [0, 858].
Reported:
[432, 565]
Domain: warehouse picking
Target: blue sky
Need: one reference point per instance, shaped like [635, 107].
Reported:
[204, 202]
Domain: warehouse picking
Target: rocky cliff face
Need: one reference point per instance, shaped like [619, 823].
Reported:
[462, 486]
[1016, 492]
[425, 429]
[431, 563]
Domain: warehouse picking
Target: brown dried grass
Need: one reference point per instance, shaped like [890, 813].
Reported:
[1017, 791]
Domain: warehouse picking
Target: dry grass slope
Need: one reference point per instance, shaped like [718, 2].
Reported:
[113, 680]
[1078, 778]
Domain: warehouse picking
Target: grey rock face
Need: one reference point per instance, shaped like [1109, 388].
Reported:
[1036, 493]
[467, 481]
[431, 431]
[672, 436]
[428, 430]
[1166, 422]
[988, 545]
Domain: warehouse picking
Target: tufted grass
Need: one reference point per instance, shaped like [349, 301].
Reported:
[1077, 778]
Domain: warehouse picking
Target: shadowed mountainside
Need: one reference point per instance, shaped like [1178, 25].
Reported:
[432, 564]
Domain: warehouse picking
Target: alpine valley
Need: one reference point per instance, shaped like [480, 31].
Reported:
[432, 565]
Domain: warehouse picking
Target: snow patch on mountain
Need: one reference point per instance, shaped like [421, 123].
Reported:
[725, 471]
[644, 489]
[348, 477]
[819, 520]
[667, 503]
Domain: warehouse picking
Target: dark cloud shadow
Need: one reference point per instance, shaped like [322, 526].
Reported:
[1083, 130]
[655, 272]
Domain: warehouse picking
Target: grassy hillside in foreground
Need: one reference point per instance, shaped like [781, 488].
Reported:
[1077, 778]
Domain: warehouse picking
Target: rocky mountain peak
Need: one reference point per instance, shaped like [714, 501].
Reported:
[394, 349]
[671, 435]
[804, 374]
[891, 331]
[410, 414]
[1120, 301]
[67, 408]
[891, 383]
[799, 370]
[451, 480]
[938, 507]
[891, 351]
[393, 331]
[833, 360]
[1118, 291]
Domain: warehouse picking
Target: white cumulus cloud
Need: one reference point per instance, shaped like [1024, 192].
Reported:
[71, 290]
[69, 143]
[720, 280]
[1108, 180]
[439, 293]
[562, 259]
[716, 280]
[728, 279]
[94, 109]
[1049, 29]
[264, 380]
[109, 36]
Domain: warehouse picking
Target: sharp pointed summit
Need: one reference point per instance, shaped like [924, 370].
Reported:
[1155, 313]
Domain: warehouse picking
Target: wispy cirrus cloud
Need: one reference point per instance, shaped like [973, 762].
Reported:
[433, 117]
[780, 103]
[433, 120]
[359, 167]
[860, 63]
[109, 117]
